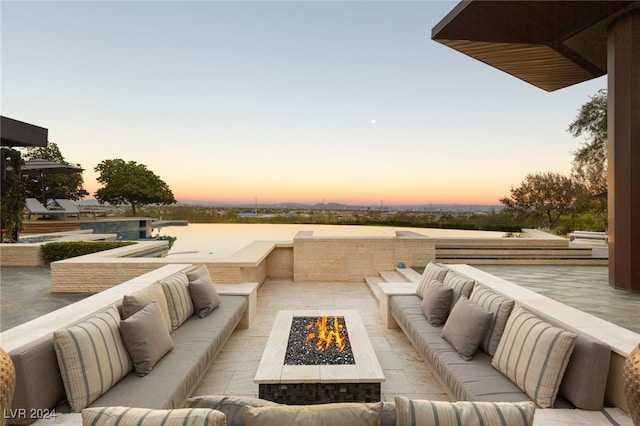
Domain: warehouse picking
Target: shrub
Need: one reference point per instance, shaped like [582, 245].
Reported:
[52, 252]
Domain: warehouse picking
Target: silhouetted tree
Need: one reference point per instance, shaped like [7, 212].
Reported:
[544, 197]
[57, 185]
[131, 183]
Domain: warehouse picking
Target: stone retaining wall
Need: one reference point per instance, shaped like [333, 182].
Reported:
[353, 258]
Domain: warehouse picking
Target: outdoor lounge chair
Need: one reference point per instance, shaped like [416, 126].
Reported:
[67, 207]
[35, 207]
[71, 209]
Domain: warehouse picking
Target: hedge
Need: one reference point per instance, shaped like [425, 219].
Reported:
[52, 252]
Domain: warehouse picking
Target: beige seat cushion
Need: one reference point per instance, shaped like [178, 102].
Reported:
[534, 354]
[92, 357]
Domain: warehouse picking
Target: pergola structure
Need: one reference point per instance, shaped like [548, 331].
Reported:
[555, 44]
[18, 133]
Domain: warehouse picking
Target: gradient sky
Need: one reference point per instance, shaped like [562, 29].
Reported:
[285, 101]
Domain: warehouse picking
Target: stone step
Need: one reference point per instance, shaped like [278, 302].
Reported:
[392, 276]
[372, 282]
[410, 274]
[520, 251]
[521, 260]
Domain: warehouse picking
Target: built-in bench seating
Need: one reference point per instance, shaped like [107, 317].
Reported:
[196, 341]
[593, 375]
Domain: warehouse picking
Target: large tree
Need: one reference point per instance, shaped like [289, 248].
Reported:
[131, 183]
[57, 185]
[590, 160]
[543, 197]
[590, 163]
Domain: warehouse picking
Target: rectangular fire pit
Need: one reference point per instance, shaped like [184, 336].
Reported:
[355, 377]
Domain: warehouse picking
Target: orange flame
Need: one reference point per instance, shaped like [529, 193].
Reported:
[324, 335]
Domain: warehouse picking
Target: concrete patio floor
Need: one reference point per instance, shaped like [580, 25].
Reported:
[405, 372]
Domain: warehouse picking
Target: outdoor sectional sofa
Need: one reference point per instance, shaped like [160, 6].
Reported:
[90, 365]
[519, 358]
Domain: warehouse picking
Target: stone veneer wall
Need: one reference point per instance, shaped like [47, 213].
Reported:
[100, 271]
[353, 258]
[92, 277]
[280, 263]
[20, 255]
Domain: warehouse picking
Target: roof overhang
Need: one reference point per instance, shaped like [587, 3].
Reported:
[549, 44]
[18, 133]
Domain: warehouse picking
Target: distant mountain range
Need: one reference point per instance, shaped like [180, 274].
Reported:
[340, 206]
[337, 206]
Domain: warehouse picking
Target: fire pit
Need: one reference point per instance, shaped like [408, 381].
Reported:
[319, 357]
[318, 341]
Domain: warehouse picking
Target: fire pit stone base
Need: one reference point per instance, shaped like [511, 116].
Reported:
[310, 384]
[319, 393]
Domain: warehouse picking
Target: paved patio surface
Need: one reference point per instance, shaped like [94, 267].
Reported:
[405, 372]
[24, 294]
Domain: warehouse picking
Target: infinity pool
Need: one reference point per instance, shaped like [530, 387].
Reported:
[224, 239]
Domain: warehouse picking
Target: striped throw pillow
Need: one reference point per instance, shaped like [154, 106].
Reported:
[461, 285]
[500, 307]
[176, 290]
[132, 303]
[433, 271]
[443, 413]
[534, 354]
[125, 416]
[91, 357]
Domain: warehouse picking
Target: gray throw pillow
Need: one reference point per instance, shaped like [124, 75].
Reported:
[231, 406]
[204, 296]
[196, 272]
[466, 327]
[435, 302]
[146, 337]
[132, 303]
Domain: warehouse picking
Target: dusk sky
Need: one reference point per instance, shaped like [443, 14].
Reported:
[290, 101]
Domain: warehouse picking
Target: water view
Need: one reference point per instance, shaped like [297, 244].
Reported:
[221, 240]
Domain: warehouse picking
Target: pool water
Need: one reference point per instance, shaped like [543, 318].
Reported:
[224, 239]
